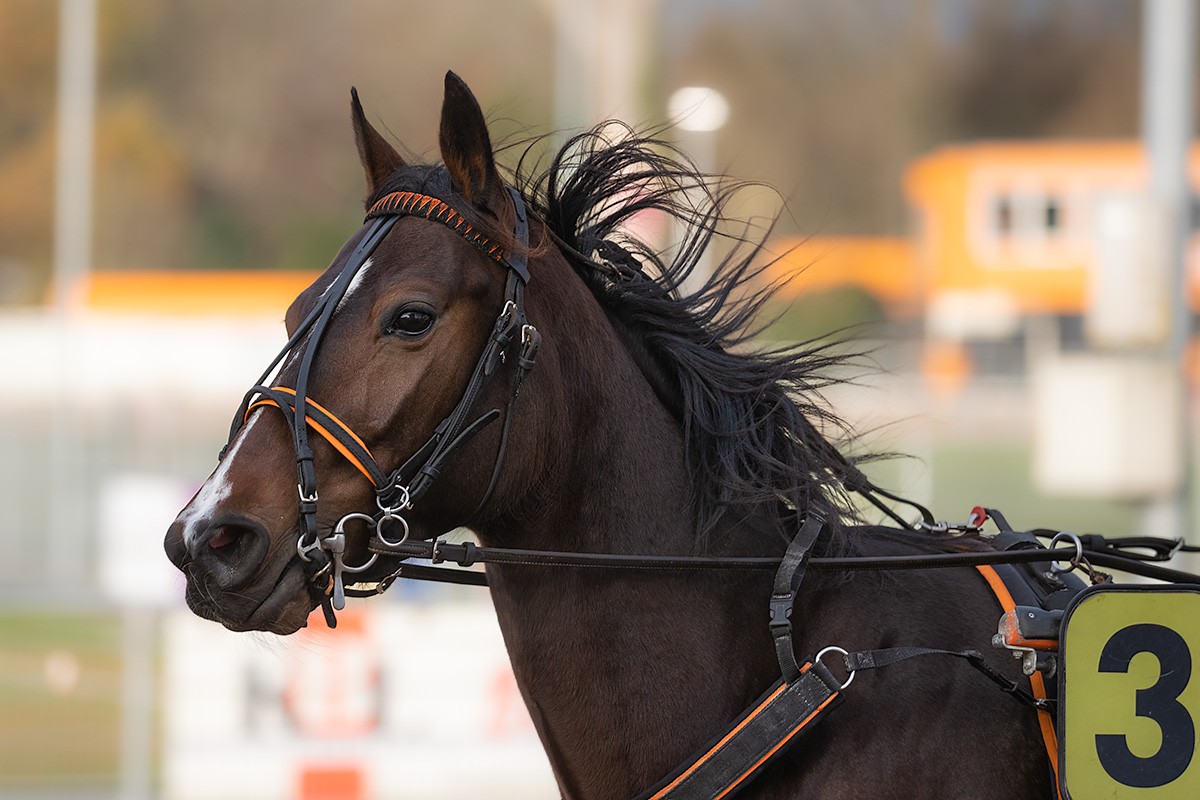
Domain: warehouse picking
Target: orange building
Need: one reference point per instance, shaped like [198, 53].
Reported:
[1009, 225]
[188, 293]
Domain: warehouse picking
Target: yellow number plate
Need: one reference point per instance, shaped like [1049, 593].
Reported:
[1130, 691]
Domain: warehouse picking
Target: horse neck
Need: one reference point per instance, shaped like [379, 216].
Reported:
[624, 672]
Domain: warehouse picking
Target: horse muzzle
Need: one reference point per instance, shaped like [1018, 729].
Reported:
[232, 580]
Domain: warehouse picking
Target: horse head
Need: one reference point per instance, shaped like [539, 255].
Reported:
[401, 361]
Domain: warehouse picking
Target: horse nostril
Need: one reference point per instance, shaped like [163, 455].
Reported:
[231, 549]
[230, 542]
[226, 536]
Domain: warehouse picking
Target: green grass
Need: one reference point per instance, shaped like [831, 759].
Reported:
[59, 737]
[997, 475]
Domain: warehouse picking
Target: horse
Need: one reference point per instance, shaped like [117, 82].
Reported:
[651, 426]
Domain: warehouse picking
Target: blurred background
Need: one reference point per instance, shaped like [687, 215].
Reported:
[996, 198]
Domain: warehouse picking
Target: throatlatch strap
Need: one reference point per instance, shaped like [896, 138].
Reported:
[751, 741]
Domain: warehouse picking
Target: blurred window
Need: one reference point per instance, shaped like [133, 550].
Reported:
[1004, 215]
[1053, 215]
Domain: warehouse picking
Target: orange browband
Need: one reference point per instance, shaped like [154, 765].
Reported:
[423, 205]
[319, 428]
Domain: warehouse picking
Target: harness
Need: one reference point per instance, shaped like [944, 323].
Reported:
[804, 693]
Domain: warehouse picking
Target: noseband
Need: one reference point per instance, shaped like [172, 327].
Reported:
[398, 490]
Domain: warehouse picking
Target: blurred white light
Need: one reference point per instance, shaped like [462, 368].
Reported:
[698, 108]
[62, 671]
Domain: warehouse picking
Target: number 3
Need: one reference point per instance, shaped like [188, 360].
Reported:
[1159, 702]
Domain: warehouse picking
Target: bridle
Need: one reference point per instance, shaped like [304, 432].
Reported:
[395, 491]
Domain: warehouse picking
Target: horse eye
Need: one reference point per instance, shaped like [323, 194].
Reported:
[409, 322]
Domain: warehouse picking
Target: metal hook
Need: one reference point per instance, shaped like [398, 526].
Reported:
[303, 549]
[1055, 567]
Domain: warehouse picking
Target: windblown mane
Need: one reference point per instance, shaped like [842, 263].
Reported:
[752, 417]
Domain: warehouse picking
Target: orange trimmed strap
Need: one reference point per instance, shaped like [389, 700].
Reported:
[762, 732]
[429, 207]
[724, 740]
[1038, 687]
[771, 753]
[337, 443]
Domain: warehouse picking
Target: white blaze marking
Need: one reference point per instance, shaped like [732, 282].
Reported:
[216, 488]
[355, 282]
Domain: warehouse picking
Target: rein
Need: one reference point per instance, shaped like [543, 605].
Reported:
[1111, 554]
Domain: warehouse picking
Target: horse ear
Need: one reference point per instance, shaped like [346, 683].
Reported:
[466, 148]
[379, 159]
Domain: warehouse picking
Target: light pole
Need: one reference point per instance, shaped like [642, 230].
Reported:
[65, 562]
[76, 127]
[1168, 57]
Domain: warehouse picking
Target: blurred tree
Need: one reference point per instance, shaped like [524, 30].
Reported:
[27, 72]
[832, 100]
[223, 136]
[1067, 70]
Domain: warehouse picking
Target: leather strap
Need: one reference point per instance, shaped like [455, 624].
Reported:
[468, 553]
[403, 486]
[740, 752]
[783, 593]
[873, 659]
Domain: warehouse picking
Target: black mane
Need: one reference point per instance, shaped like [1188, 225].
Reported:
[752, 419]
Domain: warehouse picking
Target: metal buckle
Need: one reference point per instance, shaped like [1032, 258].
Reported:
[303, 498]
[508, 309]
